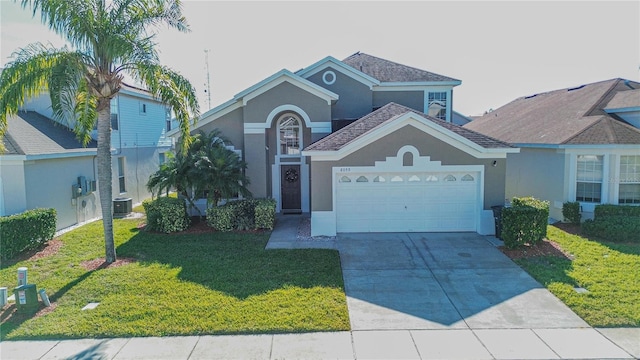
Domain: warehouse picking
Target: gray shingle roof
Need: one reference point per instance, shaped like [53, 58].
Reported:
[565, 116]
[389, 71]
[29, 133]
[625, 99]
[388, 113]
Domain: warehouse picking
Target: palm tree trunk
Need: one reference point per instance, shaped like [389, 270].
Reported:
[105, 187]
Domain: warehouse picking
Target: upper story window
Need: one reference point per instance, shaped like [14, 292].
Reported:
[289, 138]
[114, 113]
[122, 183]
[437, 104]
[589, 178]
[629, 188]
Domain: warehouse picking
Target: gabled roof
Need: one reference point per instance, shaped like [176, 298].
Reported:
[29, 133]
[389, 71]
[387, 114]
[338, 65]
[566, 116]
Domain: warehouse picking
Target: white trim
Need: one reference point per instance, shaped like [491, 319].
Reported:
[324, 77]
[287, 107]
[281, 77]
[276, 189]
[395, 84]
[321, 127]
[421, 123]
[341, 67]
[623, 109]
[487, 223]
[323, 223]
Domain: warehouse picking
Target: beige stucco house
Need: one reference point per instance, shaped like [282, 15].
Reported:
[364, 145]
[577, 144]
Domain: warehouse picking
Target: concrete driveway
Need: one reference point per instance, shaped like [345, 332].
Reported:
[415, 281]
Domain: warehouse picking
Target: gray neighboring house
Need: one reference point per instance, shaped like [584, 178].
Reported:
[364, 144]
[577, 144]
[44, 164]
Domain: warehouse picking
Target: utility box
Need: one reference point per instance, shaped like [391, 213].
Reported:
[122, 207]
[26, 299]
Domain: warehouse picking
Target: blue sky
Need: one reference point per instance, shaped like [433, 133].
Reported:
[500, 50]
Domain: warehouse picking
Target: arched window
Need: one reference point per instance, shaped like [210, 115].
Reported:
[289, 135]
[467, 177]
[362, 179]
[345, 179]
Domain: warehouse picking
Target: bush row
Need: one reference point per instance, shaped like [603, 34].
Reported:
[614, 223]
[525, 222]
[247, 214]
[26, 231]
[571, 212]
[166, 215]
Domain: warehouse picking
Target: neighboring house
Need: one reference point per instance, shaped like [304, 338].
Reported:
[460, 119]
[577, 144]
[349, 142]
[44, 164]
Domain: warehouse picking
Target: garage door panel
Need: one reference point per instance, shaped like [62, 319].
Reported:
[416, 205]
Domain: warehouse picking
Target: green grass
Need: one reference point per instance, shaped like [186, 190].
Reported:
[181, 285]
[609, 271]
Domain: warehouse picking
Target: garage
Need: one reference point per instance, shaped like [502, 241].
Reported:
[424, 201]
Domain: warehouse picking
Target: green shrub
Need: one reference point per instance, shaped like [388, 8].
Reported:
[265, 214]
[222, 218]
[166, 215]
[525, 222]
[614, 223]
[606, 210]
[246, 214]
[26, 231]
[571, 212]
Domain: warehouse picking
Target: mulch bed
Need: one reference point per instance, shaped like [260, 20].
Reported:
[545, 247]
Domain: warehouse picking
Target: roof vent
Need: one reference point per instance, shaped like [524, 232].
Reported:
[576, 88]
[531, 96]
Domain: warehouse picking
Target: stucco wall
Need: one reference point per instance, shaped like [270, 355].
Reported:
[14, 197]
[231, 125]
[355, 98]
[538, 173]
[412, 99]
[258, 109]
[255, 156]
[427, 145]
[48, 184]
[140, 163]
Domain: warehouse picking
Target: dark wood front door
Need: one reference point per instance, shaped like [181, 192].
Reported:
[290, 188]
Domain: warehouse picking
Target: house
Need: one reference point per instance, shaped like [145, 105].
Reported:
[46, 166]
[364, 144]
[577, 144]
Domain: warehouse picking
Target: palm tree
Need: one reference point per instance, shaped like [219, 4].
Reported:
[108, 40]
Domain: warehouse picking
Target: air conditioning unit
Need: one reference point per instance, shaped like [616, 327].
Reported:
[121, 207]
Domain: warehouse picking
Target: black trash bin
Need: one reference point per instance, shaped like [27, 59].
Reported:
[497, 217]
[26, 298]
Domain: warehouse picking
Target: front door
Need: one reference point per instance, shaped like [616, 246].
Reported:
[290, 188]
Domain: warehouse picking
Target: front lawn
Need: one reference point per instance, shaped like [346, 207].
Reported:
[207, 283]
[610, 272]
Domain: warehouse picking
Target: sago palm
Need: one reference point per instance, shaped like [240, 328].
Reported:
[108, 40]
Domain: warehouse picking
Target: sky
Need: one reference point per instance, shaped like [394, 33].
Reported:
[499, 50]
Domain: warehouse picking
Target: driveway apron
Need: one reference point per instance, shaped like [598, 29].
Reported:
[409, 281]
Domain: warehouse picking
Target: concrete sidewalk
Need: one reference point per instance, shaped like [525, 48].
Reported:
[585, 343]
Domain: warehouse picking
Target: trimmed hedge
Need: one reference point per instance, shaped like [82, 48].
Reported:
[525, 222]
[247, 214]
[166, 215]
[606, 210]
[571, 212]
[614, 223]
[26, 231]
[265, 214]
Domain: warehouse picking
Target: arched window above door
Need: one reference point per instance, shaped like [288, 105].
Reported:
[289, 135]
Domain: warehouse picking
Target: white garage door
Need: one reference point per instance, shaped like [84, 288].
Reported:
[407, 202]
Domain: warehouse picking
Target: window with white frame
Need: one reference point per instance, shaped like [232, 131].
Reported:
[121, 178]
[629, 188]
[289, 137]
[437, 105]
[589, 178]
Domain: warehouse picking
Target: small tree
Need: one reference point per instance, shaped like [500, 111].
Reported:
[207, 167]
